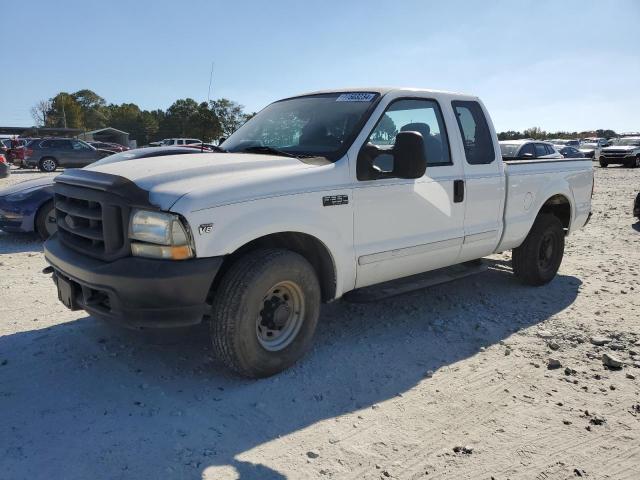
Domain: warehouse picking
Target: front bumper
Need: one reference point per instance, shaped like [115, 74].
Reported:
[136, 292]
[14, 220]
[617, 160]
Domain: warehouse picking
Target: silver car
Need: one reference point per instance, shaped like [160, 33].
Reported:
[50, 153]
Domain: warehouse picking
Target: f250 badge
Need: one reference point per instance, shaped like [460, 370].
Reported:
[205, 228]
[333, 200]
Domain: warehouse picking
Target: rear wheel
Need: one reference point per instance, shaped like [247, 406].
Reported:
[46, 221]
[48, 164]
[538, 259]
[265, 311]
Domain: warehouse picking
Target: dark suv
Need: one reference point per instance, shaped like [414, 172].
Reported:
[50, 153]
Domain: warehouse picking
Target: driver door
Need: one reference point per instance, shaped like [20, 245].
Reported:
[403, 227]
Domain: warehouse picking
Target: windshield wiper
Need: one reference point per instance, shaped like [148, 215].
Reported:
[268, 151]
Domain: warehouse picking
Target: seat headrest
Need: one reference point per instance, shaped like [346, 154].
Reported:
[421, 128]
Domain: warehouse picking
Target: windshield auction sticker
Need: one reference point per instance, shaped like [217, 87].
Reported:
[356, 97]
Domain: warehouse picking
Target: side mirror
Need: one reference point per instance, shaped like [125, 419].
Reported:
[409, 157]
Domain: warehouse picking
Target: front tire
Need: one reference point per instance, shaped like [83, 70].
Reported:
[603, 164]
[538, 259]
[46, 221]
[48, 164]
[265, 311]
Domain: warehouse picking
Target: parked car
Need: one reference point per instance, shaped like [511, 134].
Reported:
[591, 147]
[28, 206]
[624, 151]
[51, 153]
[636, 207]
[5, 167]
[568, 142]
[13, 150]
[179, 141]
[527, 150]
[302, 210]
[112, 147]
[569, 152]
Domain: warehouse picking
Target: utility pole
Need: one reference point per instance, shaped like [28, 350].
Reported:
[64, 115]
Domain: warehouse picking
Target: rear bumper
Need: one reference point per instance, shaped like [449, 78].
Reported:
[135, 292]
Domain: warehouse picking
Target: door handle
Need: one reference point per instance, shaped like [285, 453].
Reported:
[458, 191]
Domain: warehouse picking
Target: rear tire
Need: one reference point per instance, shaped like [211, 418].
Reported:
[265, 311]
[44, 226]
[538, 259]
[48, 164]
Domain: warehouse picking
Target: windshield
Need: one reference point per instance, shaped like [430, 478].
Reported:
[628, 141]
[509, 150]
[313, 126]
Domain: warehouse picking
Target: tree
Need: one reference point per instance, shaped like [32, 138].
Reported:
[386, 130]
[179, 115]
[230, 115]
[39, 112]
[92, 106]
[64, 112]
[204, 124]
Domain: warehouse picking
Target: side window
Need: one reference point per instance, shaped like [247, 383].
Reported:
[551, 151]
[180, 142]
[541, 150]
[76, 145]
[527, 149]
[478, 144]
[412, 115]
[46, 144]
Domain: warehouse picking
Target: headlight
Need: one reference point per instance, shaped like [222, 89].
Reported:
[160, 235]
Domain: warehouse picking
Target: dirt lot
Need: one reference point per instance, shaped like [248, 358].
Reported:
[389, 391]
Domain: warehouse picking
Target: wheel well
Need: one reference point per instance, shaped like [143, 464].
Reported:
[559, 206]
[312, 249]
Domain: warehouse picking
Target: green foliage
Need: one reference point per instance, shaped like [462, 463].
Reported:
[230, 115]
[87, 110]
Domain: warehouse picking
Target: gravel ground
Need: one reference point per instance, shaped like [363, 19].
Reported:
[449, 382]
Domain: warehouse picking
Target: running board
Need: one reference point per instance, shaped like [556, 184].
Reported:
[415, 282]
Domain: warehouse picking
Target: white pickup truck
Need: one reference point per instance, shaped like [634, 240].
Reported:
[316, 196]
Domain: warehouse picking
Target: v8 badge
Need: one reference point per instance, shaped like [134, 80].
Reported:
[205, 228]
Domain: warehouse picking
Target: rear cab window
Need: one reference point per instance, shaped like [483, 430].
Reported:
[475, 133]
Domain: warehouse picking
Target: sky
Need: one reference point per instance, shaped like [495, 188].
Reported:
[559, 65]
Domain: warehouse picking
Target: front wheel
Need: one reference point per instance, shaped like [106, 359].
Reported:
[48, 164]
[46, 220]
[603, 164]
[265, 311]
[635, 163]
[538, 259]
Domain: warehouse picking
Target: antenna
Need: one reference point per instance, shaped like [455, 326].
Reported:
[210, 79]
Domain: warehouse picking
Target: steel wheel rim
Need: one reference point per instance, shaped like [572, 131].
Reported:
[281, 316]
[546, 252]
[50, 222]
[49, 165]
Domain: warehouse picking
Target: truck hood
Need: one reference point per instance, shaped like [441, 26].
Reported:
[207, 180]
[621, 148]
